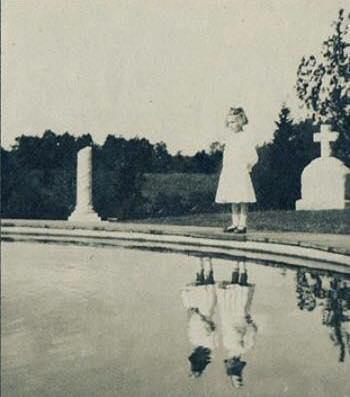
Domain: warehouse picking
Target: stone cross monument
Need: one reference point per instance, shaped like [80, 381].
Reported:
[325, 137]
[84, 211]
[323, 181]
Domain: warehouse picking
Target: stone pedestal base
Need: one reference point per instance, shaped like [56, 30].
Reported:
[86, 215]
[305, 205]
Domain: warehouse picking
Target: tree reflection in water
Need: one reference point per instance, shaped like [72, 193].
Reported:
[332, 293]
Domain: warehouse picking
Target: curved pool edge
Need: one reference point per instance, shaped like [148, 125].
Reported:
[292, 254]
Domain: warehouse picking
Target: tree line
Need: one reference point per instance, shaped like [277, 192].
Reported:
[39, 173]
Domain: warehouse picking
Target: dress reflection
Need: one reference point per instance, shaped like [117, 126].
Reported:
[238, 329]
[199, 299]
[221, 310]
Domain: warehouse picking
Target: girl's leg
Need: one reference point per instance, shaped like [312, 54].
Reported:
[235, 208]
[243, 216]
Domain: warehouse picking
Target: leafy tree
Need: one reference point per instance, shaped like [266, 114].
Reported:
[216, 150]
[324, 85]
[40, 179]
[39, 175]
[216, 147]
[83, 141]
[118, 177]
[203, 163]
[285, 172]
[161, 158]
[277, 175]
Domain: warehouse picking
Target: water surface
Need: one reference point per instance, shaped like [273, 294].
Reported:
[86, 321]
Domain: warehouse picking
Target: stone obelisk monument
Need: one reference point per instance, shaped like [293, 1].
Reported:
[84, 211]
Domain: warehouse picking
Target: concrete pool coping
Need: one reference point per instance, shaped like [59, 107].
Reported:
[293, 248]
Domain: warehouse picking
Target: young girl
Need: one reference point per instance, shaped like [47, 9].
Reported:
[235, 185]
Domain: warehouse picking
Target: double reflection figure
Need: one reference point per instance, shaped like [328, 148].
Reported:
[233, 299]
[219, 315]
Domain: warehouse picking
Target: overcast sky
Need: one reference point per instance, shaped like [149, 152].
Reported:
[164, 69]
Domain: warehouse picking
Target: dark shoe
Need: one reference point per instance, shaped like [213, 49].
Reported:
[230, 229]
[241, 230]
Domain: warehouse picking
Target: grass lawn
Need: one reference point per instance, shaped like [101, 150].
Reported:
[177, 183]
[332, 221]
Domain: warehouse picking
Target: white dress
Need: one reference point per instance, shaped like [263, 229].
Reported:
[203, 298]
[238, 330]
[235, 185]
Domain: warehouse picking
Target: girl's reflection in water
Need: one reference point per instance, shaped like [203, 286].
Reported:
[199, 298]
[238, 329]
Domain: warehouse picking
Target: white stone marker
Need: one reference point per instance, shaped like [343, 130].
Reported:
[323, 181]
[84, 211]
[325, 137]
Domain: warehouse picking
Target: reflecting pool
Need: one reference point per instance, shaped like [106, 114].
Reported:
[89, 321]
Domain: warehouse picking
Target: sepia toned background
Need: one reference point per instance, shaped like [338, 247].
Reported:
[165, 70]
